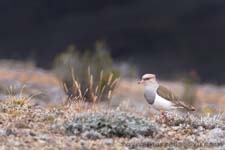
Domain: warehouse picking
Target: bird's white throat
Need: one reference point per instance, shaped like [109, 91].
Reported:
[150, 92]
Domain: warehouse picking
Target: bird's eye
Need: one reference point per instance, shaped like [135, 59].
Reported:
[146, 79]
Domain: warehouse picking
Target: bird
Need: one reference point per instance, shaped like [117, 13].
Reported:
[160, 97]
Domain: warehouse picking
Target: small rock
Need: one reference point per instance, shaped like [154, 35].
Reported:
[21, 125]
[200, 128]
[82, 142]
[190, 138]
[164, 125]
[216, 133]
[171, 133]
[3, 132]
[44, 137]
[182, 125]
[176, 128]
[32, 133]
[3, 147]
[108, 142]
[195, 130]
[188, 126]
[159, 135]
[201, 136]
[15, 143]
[93, 135]
[163, 130]
[9, 132]
[177, 136]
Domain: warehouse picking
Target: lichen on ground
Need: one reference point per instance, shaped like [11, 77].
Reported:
[111, 124]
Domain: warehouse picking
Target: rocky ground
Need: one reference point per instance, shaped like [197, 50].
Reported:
[28, 121]
[87, 126]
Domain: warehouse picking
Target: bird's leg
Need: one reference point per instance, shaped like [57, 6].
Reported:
[163, 116]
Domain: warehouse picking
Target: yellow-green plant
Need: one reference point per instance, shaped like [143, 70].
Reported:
[19, 99]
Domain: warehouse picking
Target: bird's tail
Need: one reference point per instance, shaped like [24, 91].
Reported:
[191, 108]
[187, 107]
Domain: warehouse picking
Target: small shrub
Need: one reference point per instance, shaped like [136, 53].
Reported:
[19, 99]
[110, 124]
[93, 75]
[92, 90]
[208, 122]
[190, 82]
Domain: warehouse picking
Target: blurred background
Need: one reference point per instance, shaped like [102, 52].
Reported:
[168, 38]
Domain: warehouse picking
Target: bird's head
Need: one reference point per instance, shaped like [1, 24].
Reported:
[147, 79]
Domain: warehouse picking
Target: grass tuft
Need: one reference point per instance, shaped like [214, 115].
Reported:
[95, 90]
[19, 99]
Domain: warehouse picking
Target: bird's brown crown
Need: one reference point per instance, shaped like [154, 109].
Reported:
[148, 76]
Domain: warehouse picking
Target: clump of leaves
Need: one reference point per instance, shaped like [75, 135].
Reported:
[93, 75]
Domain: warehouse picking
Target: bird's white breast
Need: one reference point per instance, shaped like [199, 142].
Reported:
[162, 103]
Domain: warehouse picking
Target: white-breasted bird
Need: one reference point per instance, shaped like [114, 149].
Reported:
[160, 97]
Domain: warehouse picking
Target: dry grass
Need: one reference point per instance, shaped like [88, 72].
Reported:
[19, 99]
[95, 90]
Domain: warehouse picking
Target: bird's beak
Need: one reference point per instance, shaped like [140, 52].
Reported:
[141, 82]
